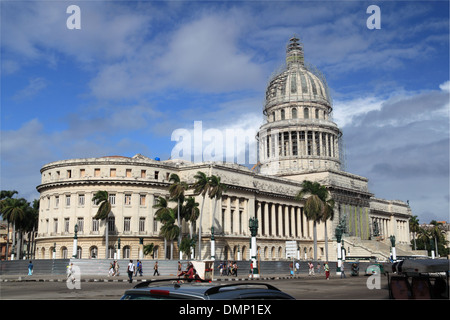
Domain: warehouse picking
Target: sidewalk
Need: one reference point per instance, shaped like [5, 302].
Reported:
[124, 278]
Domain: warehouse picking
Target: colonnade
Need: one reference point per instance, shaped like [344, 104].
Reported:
[275, 219]
[299, 143]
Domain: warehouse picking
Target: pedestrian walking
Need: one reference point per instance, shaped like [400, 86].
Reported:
[318, 268]
[138, 265]
[155, 267]
[130, 270]
[111, 269]
[70, 273]
[297, 267]
[342, 271]
[327, 270]
[311, 268]
[116, 269]
[30, 268]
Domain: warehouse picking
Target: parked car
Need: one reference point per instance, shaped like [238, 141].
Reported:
[175, 289]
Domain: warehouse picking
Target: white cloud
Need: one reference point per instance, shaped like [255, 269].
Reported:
[34, 86]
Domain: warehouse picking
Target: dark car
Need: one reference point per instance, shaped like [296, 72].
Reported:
[176, 290]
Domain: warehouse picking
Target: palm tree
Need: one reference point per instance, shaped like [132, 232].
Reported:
[176, 191]
[201, 186]
[190, 213]
[104, 208]
[327, 214]
[30, 224]
[5, 194]
[414, 228]
[316, 207]
[166, 216]
[149, 249]
[215, 191]
[14, 211]
[436, 233]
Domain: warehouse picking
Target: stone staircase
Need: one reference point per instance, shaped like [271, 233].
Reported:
[379, 249]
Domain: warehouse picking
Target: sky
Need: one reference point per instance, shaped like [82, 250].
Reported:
[120, 77]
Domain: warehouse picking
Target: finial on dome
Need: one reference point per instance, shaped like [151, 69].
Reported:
[294, 52]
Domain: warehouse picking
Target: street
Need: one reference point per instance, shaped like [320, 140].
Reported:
[303, 288]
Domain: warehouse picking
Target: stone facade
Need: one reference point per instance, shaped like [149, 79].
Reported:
[299, 141]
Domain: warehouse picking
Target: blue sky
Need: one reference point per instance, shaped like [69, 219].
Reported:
[136, 71]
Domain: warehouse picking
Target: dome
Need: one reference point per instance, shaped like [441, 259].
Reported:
[297, 82]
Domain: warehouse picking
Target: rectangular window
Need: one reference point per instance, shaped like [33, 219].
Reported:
[141, 224]
[80, 223]
[112, 199]
[143, 173]
[56, 201]
[111, 224]
[156, 175]
[127, 199]
[127, 224]
[128, 173]
[95, 224]
[81, 199]
[69, 173]
[66, 225]
[142, 199]
[55, 225]
[67, 200]
[112, 173]
[82, 173]
[97, 172]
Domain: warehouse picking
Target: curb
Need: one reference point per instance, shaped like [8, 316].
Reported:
[20, 279]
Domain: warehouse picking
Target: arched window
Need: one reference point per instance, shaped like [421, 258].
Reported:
[306, 113]
[282, 114]
[294, 113]
[93, 252]
[317, 113]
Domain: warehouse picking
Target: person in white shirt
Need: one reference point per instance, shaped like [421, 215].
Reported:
[130, 270]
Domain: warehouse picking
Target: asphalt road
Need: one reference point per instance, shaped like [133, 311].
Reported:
[304, 288]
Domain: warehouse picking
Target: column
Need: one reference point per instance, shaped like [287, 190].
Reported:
[259, 217]
[293, 224]
[273, 223]
[280, 220]
[227, 220]
[266, 219]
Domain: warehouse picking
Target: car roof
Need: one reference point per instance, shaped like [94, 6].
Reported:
[207, 290]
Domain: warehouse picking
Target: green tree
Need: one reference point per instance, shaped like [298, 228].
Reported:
[104, 208]
[6, 194]
[149, 249]
[317, 205]
[201, 187]
[436, 233]
[166, 216]
[216, 189]
[414, 228]
[176, 191]
[14, 211]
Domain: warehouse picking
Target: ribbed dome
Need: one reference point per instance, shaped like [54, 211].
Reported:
[297, 82]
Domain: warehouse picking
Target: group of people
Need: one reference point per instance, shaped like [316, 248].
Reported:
[189, 274]
[228, 269]
[326, 268]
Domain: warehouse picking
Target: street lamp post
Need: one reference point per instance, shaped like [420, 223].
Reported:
[253, 226]
[394, 254]
[338, 233]
[118, 249]
[75, 243]
[213, 245]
